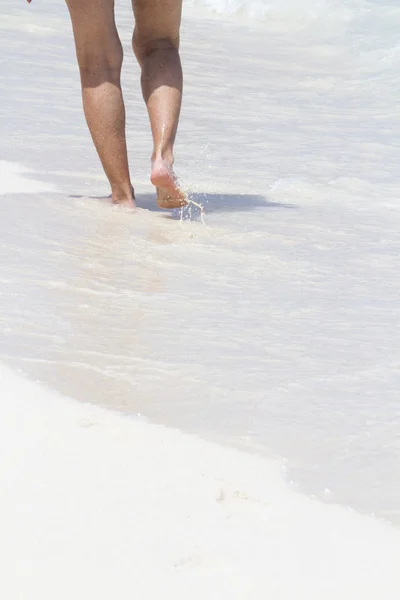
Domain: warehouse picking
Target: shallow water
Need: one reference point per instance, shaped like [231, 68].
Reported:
[275, 324]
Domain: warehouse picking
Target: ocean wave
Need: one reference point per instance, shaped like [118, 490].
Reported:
[17, 179]
[310, 9]
[369, 16]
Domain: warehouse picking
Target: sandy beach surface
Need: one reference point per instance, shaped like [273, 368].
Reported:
[97, 505]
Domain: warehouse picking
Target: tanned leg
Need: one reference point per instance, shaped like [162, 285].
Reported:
[99, 54]
[156, 46]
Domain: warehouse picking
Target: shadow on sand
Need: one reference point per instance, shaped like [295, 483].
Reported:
[211, 203]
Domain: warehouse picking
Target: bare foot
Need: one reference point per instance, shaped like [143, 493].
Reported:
[169, 195]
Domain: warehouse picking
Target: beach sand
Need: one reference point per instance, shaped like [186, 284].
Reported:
[98, 505]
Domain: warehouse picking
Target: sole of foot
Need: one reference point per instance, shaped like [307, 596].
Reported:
[169, 194]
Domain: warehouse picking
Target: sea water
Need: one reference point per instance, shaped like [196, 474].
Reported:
[272, 325]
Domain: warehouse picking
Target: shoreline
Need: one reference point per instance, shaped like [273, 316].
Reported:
[97, 503]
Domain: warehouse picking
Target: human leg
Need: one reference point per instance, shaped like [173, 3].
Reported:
[156, 46]
[100, 55]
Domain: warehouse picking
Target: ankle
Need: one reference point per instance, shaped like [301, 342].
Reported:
[163, 156]
[122, 192]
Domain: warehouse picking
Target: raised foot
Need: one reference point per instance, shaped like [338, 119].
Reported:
[169, 194]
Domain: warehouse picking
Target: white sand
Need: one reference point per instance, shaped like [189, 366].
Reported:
[94, 505]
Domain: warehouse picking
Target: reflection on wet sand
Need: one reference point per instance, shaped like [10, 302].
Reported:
[98, 301]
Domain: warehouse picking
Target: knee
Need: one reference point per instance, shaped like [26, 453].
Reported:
[101, 62]
[145, 46]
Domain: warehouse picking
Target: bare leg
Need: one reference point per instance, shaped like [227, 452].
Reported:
[99, 54]
[156, 45]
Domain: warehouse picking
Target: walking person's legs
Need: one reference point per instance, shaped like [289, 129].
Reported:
[99, 54]
[156, 45]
